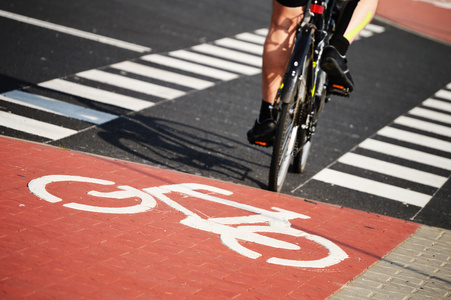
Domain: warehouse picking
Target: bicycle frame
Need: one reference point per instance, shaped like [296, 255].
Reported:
[314, 31]
[303, 91]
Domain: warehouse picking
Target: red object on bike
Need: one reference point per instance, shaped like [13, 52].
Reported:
[317, 9]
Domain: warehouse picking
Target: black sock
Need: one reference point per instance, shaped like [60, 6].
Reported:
[265, 111]
[340, 43]
[338, 40]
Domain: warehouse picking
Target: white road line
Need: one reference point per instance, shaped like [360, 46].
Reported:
[375, 28]
[393, 170]
[250, 37]
[370, 30]
[75, 32]
[131, 84]
[35, 127]
[241, 57]
[424, 126]
[415, 138]
[163, 75]
[57, 107]
[189, 67]
[373, 187]
[366, 33]
[430, 114]
[240, 45]
[437, 104]
[262, 31]
[96, 94]
[406, 153]
[215, 62]
[443, 94]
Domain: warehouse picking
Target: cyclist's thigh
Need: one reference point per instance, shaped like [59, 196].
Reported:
[284, 18]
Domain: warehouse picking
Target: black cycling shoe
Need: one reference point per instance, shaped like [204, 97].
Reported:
[262, 133]
[335, 65]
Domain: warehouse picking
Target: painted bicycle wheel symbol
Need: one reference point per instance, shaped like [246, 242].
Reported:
[233, 231]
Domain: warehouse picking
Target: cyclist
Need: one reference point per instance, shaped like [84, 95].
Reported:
[277, 50]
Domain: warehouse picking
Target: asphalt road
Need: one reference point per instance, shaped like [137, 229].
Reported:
[202, 131]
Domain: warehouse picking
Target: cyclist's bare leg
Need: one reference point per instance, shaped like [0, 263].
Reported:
[363, 15]
[277, 47]
[356, 15]
[276, 53]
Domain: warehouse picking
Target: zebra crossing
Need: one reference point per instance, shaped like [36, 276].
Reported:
[415, 148]
[97, 96]
[414, 151]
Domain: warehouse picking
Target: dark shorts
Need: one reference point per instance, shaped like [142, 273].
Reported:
[293, 3]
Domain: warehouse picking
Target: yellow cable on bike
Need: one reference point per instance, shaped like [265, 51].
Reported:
[359, 28]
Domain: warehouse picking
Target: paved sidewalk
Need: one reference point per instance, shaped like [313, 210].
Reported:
[420, 269]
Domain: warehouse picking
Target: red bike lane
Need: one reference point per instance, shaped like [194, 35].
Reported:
[148, 236]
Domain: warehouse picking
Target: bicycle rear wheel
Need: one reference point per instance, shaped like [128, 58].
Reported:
[300, 160]
[283, 147]
[290, 136]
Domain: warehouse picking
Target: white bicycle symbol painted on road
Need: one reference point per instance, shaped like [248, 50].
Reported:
[230, 229]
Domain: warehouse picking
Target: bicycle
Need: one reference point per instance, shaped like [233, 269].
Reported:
[303, 92]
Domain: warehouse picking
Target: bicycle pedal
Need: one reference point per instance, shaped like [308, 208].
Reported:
[265, 144]
[339, 90]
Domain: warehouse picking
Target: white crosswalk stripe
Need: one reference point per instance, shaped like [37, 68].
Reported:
[215, 62]
[96, 94]
[392, 169]
[163, 75]
[190, 67]
[32, 126]
[373, 187]
[424, 126]
[412, 165]
[406, 153]
[138, 84]
[415, 138]
[438, 104]
[240, 45]
[131, 84]
[58, 107]
[430, 114]
[233, 55]
[250, 37]
[443, 94]
[370, 30]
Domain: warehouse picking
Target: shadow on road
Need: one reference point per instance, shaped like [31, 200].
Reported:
[183, 147]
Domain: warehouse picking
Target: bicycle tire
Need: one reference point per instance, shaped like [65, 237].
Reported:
[289, 126]
[282, 148]
[300, 160]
